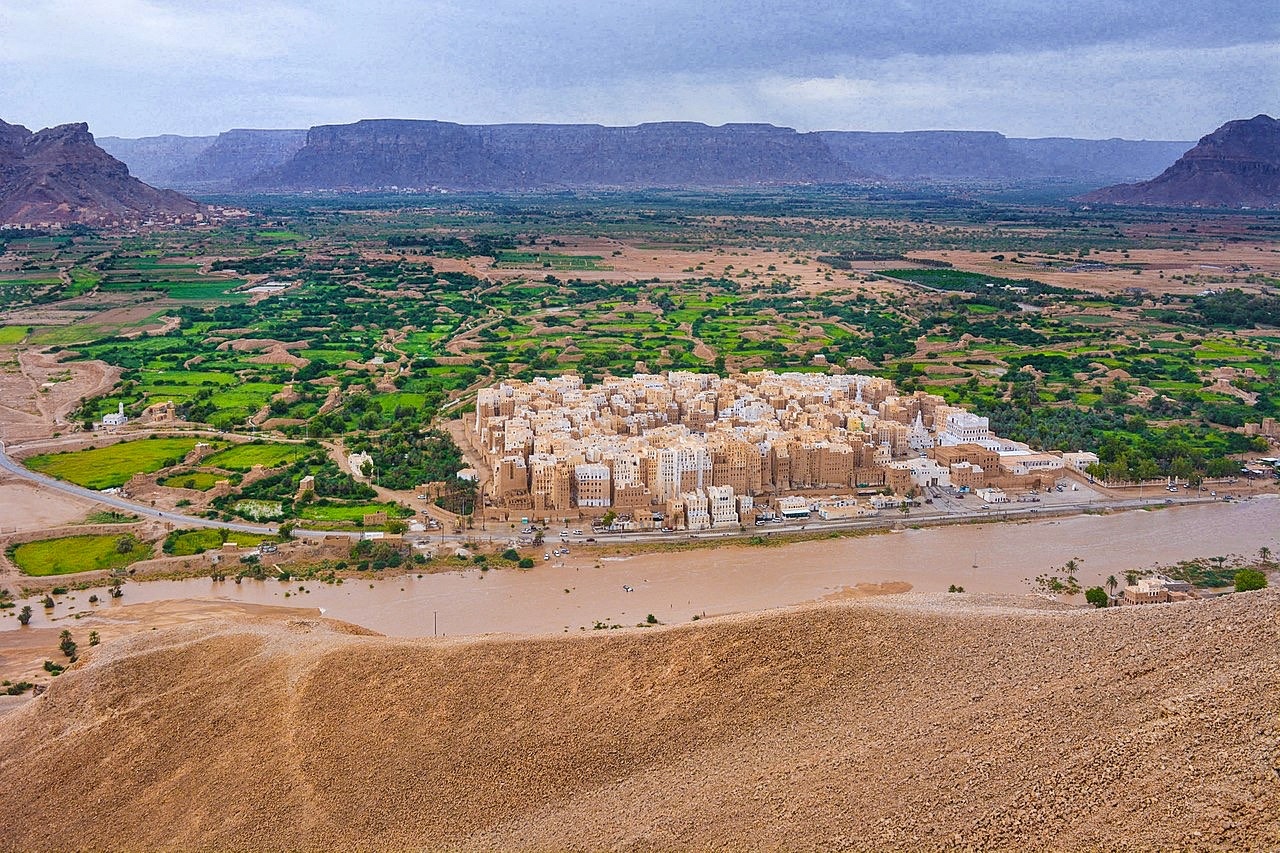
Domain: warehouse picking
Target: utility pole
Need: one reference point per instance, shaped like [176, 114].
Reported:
[434, 624]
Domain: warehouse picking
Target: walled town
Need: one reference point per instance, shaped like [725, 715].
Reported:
[695, 451]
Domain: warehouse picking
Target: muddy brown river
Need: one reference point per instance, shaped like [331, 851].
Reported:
[584, 589]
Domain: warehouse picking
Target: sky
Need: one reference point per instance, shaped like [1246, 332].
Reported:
[1138, 69]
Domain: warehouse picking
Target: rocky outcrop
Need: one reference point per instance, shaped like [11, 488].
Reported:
[1238, 165]
[59, 176]
[236, 157]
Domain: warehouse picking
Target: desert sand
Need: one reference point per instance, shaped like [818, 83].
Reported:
[912, 723]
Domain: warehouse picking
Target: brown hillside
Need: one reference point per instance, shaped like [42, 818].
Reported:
[1238, 165]
[59, 176]
[915, 724]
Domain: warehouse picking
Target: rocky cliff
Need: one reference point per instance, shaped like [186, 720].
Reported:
[156, 159]
[237, 156]
[221, 163]
[383, 153]
[421, 154]
[59, 176]
[1238, 165]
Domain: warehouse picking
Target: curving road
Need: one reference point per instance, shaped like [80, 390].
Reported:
[956, 515]
[13, 466]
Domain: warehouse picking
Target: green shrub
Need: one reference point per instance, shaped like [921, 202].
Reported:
[1248, 580]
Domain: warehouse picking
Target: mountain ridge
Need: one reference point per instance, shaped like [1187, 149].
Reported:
[60, 176]
[376, 154]
[1238, 165]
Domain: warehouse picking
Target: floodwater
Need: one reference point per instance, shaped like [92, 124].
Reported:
[572, 596]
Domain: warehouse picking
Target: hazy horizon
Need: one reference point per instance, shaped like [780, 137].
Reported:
[1099, 69]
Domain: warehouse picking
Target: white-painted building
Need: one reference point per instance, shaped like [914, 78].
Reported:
[359, 463]
[721, 506]
[116, 418]
[793, 506]
[965, 428]
[1079, 459]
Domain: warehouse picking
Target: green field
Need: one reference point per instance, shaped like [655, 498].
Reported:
[550, 261]
[70, 554]
[351, 512]
[184, 543]
[243, 457]
[109, 467]
[202, 480]
[13, 334]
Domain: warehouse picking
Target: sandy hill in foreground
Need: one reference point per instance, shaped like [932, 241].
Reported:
[915, 724]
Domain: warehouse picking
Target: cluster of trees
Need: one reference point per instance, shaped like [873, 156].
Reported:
[282, 486]
[453, 246]
[1238, 310]
[408, 458]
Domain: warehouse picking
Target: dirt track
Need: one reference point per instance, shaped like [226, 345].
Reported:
[943, 722]
[43, 391]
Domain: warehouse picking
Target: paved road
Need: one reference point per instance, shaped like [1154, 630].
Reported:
[19, 470]
[888, 518]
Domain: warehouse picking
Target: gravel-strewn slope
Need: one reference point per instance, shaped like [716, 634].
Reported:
[916, 724]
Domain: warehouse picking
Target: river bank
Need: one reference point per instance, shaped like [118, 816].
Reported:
[587, 588]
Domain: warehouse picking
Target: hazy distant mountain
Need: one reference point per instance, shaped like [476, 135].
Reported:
[60, 176]
[206, 163]
[986, 155]
[1238, 165]
[237, 156]
[1099, 159]
[383, 153]
[156, 159]
[419, 154]
[930, 154]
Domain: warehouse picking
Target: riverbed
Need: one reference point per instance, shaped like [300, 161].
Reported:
[585, 589]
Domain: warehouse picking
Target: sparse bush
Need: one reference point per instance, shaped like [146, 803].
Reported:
[66, 644]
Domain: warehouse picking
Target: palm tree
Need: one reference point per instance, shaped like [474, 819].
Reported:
[1131, 576]
[1112, 583]
[1264, 554]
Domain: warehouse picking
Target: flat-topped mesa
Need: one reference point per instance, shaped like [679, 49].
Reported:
[59, 176]
[414, 154]
[384, 153]
[1238, 165]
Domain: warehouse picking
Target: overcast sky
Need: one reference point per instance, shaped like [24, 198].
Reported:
[1140, 69]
